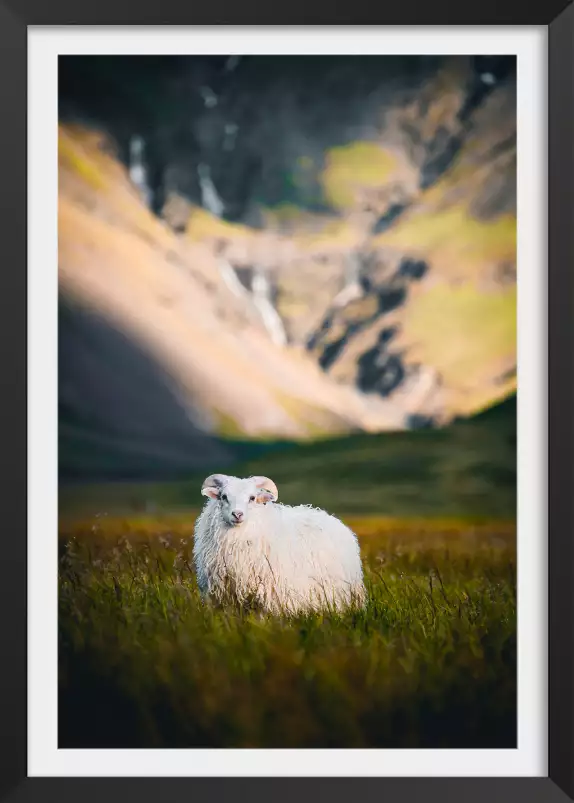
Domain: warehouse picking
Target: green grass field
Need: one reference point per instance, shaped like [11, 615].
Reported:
[430, 661]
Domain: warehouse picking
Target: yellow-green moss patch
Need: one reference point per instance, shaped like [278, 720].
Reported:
[354, 167]
[72, 156]
[462, 331]
[454, 233]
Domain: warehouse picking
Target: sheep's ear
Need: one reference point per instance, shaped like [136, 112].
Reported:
[267, 490]
[265, 496]
[213, 484]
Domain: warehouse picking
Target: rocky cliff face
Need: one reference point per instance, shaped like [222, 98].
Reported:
[302, 245]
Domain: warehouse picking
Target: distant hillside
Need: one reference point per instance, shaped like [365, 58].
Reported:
[278, 249]
[156, 350]
[465, 470]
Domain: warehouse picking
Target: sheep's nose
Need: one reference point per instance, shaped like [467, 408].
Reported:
[237, 515]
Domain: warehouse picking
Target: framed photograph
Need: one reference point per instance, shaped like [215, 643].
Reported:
[297, 338]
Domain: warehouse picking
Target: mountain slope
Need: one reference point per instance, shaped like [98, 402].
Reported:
[169, 300]
[404, 284]
[292, 248]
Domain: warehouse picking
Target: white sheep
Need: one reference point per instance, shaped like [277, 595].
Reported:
[287, 559]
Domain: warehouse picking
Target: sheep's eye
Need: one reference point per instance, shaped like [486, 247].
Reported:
[252, 499]
[224, 497]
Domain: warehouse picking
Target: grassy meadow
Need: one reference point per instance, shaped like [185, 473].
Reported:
[430, 661]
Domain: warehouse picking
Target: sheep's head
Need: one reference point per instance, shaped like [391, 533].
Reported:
[237, 496]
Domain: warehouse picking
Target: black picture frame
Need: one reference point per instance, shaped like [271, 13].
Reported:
[15, 17]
